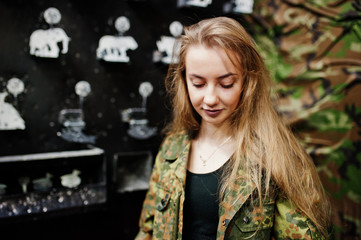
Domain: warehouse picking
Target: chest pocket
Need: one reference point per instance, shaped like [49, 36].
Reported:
[251, 224]
[166, 214]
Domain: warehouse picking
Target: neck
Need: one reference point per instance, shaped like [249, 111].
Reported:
[213, 134]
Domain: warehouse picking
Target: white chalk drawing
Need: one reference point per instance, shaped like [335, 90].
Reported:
[114, 48]
[15, 86]
[82, 89]
[145, 89]
[45, 42]
[72, 120]
[194, 3]
[136, 117]
[10, 118]
[168, 49]
[239, 6]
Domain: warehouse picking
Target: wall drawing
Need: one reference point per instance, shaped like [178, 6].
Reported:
[194, 3]
[114, 48]
[45, 43]
[10, 118]
[72, 120]
[136, 117]
[239, 6]
[167, 48]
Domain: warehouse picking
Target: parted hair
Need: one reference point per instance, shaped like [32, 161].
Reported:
[265, 146]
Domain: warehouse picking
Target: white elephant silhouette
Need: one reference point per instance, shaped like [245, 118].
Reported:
[113, 48]
[44, 43]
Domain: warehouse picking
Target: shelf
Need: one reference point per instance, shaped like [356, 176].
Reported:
[52, 155]
[27, 198]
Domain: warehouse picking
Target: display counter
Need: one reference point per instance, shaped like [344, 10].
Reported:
[42, 183]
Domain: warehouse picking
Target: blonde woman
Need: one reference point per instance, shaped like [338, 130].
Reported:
[228, 167]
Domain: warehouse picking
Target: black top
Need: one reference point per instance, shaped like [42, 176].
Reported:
[201, 206]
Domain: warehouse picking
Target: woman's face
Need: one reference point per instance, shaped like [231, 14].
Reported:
[213, 83]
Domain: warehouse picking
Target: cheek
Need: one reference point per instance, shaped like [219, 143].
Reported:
[233, 100]
[195, 99]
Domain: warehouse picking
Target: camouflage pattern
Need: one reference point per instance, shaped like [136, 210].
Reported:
[313, 51]
[240, 216]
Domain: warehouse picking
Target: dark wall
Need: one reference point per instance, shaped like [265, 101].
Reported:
[49, 88]
[49, 83]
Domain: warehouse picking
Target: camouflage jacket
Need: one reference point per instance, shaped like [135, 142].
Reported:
[162, 213]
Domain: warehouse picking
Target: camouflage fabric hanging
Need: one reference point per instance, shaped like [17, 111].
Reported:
[313, 51]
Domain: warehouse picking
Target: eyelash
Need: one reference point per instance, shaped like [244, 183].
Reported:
[227, 86]
[198, 85]
[224, 86]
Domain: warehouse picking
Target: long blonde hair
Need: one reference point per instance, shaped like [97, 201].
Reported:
[265, 146]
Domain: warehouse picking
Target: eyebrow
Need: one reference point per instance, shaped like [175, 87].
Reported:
[219, 78]
[226, 75]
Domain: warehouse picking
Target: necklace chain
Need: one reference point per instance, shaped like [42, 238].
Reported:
[205, 160]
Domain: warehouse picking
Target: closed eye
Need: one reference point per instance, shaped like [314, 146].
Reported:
[198, 85]
[227, 80]
[197, 81]
[227, 85]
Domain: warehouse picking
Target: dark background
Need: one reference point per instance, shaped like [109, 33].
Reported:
[49, 88]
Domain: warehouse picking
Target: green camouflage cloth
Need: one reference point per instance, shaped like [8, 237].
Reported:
[162, 214]
[313, 51]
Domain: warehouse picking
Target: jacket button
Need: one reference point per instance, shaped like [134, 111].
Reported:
[225, 222]
[246, 219]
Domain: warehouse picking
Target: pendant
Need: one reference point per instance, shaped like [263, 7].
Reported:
[204, 161]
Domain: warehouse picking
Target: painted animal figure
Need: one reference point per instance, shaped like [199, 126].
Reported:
[113, 48]
[44, 43]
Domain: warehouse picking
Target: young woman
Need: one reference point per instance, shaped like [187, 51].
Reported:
[228, 167]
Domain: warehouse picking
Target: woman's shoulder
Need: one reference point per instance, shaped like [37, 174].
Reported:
[173, 144]
[176, 136]
[292, 222]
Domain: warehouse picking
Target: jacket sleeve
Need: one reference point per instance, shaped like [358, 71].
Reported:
[147, 213]
[291, 223]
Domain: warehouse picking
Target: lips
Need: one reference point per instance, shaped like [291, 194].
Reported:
[212, 113]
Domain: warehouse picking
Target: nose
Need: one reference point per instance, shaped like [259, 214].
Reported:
[211, 96]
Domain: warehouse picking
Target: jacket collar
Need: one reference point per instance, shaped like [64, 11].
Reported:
[174, 145]
[176, 149]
